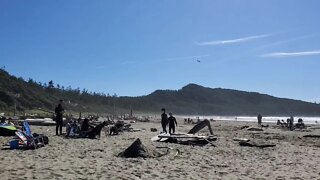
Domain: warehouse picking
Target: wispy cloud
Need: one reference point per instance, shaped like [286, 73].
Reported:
[292, 54]
[293, 39]
[232, 41]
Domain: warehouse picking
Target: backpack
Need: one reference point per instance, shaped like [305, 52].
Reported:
[45, 138]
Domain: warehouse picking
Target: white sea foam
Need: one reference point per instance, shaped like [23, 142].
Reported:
[269, 119]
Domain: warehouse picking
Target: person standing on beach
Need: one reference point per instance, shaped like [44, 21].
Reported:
[59, 117]
[164, 120]
[259, 120]
[291, 120]
[172, 123]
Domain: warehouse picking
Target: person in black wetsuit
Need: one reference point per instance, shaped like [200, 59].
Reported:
[59, 117]
[172, 123]
[164, 120]
[259, 120]
[85, 128]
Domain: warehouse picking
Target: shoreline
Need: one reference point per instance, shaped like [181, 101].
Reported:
[266, 119]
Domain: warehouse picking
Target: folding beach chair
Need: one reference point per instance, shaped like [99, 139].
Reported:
[25, 142]
[29, 140]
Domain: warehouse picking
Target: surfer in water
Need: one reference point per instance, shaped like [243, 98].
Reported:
[59, 117]
[172, 123]
[164, 120]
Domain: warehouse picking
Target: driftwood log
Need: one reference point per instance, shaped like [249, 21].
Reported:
[312, 136]
[254, 129]
[243, 143]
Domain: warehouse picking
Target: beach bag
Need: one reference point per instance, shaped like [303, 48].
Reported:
[45, 138]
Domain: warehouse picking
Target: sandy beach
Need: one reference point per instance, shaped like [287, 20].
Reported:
[293, 157]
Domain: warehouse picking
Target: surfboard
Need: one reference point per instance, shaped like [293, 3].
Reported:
[157, 138]
[164, 138]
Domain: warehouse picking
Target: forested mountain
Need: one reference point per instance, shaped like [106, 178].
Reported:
[191, 100]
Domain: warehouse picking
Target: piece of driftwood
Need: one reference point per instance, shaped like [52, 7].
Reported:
[185, 136]
[244, 127]
[241, 139]
[312, 136]
[37, 122]
[188, 139]
[254, 129]
[200, 125]
[242, 143]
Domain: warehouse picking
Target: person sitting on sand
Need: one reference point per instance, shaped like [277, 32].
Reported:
[300, 124]
[68, 128]
[72, 128]
[283, 123]
[96, 131]
[89, 131]
[118, 126]
[278, 122]
[172, 123]
[164, 120]
[85, 127]
[75, 128]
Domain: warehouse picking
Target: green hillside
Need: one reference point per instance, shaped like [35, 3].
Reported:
[34, 95]
[191, 99]
[195, 99]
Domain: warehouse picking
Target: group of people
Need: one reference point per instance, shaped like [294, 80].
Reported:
[290, 123]
[76, 127]
[4, 120]
[165, 121]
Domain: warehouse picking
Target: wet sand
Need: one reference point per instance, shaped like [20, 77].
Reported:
[294, 156]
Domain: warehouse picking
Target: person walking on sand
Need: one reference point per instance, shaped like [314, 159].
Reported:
[164, 120]
[172, 123]
[259, 120]
[59, 117]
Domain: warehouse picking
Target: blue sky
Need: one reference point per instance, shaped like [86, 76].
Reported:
[135, 47]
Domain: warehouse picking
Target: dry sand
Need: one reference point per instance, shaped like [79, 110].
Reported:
[294, 157]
